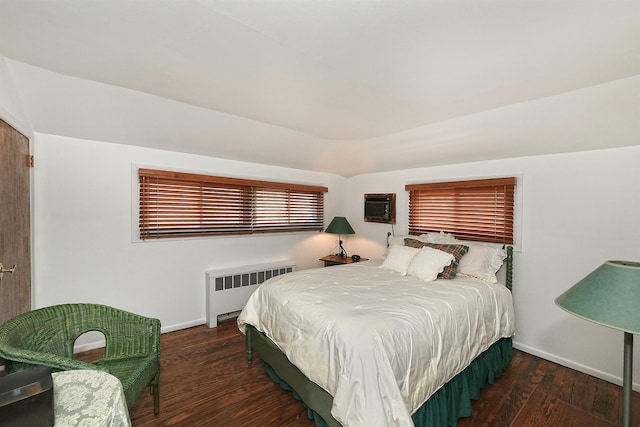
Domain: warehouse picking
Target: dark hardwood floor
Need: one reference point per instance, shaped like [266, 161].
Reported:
[206, 381]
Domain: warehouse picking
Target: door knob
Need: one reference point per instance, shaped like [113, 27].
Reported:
[9, 270]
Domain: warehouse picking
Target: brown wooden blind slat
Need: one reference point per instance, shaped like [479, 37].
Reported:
[174, 204]
[481, 210]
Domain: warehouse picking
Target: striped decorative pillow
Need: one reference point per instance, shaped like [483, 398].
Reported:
[457, 251]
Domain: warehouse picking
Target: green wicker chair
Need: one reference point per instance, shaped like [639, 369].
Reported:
[46, 336]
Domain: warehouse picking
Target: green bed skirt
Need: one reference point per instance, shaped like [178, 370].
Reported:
[453, 400]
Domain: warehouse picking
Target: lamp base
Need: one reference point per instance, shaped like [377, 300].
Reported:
[342, 253]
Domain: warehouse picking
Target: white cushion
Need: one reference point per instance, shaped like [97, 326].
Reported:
[428, 263]
[398, 258]
[481, 261]
[435, 237]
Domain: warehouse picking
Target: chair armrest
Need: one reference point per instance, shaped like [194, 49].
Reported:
[132, 335]
[127, 357]
[54, 361]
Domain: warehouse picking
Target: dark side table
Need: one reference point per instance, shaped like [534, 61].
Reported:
[330, 260]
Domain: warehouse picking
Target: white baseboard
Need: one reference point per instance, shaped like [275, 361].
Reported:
[185, 325]
[171, 328]
[573, 365]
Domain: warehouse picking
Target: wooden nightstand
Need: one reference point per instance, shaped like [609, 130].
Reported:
[330, 260]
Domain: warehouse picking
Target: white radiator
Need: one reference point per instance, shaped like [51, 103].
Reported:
[229, 289]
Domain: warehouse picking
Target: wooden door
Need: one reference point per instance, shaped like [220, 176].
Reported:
[15, 236]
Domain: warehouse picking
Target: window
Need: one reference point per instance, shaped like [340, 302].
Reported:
[176, 204]
[480, 210]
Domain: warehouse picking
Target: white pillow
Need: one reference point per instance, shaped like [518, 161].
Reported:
[399, 240]
[398, 258]
[428, 263]
[435, 237]
[480, 261]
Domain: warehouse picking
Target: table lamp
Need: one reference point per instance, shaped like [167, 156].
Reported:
[610, 296]
[339, 225]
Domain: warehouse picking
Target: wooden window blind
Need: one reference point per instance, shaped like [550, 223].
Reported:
[481, 210]
[176, 204]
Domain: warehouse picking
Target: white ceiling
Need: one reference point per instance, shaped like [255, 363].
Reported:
[344, 86]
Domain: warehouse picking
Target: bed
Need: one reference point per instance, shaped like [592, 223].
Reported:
[385, 342]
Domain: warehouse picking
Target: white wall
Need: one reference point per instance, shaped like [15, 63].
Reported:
[83, 248]
[578, 210]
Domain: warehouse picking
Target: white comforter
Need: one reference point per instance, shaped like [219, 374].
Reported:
[381, 344]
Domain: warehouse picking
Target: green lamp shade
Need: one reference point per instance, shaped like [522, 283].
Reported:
[339, 225]
[609, 296]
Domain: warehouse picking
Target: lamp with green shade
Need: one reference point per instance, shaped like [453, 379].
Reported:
[339, 225]
[610, 296]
